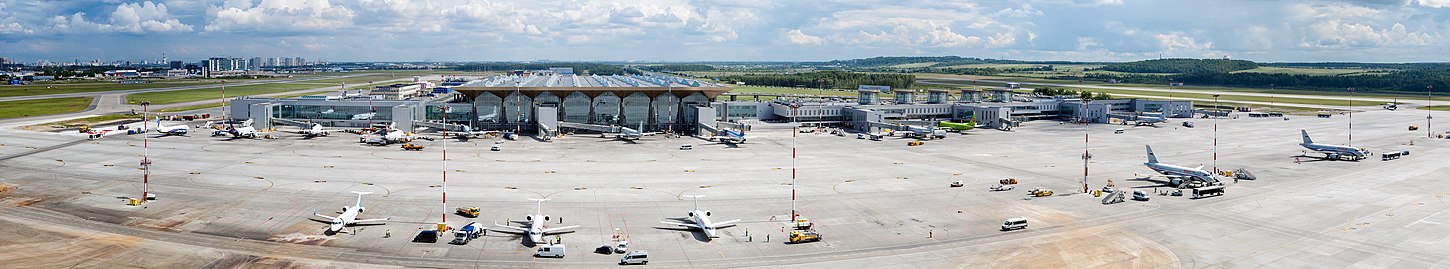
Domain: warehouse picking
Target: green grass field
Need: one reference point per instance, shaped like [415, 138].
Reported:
[1437, 108]
[41, 107]
[79, 87]
[914, 65]
[173, 97]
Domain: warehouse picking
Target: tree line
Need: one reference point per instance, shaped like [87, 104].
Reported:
[1049, 91]
[582, 69]
[827, 79]
[1181, 66]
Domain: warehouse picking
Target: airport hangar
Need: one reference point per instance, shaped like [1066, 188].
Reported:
[547, 102]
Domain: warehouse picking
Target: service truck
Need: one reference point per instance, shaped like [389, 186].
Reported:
[467, 233]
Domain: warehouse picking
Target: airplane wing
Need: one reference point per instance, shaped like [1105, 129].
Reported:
[559, 229]
[371, 220]
[1200, 167]
[510, 228]
[727, 223]
[326, 217]
[678, 223]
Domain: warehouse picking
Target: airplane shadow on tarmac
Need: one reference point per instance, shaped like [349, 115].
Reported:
[699, 235]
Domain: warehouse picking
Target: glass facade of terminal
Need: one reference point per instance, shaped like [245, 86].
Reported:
[606, 109]
[488, 108]
[576, 108]
[636, 109]
[332, 112]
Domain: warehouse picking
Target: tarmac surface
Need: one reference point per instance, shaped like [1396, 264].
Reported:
[242, 202]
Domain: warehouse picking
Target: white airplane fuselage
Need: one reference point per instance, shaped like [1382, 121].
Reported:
[702, 221]
[349, 214]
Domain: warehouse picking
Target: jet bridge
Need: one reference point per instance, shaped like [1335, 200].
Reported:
[298, 123]
[589, 127]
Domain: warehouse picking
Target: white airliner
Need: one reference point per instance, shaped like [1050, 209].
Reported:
[700, 220]
[626, 133]
[535, 229]
[1333, 152]
[244, 131]
[1175, 171]
[349, 216]
[1145, 120]
[171, 130]
[317, 130]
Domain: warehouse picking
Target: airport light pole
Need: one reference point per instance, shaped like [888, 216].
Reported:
[1085, 154]
[145, 153]
[518, 108]
[1170, 89]
[445, 109]
[1215, 137]
[1350, 108]
[794, 131]
[1271, 95]
[1428, 108]
[224, 100]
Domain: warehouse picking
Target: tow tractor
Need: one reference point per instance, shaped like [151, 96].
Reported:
[411, 146]
[471, 212]
[797, 237]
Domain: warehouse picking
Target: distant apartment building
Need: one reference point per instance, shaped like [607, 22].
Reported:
[254, 63]
[178, 65]
[223, 66]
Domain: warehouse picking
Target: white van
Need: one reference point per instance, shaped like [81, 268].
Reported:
[1140, 195]
[1015, 223]
[556, 251]
[635, 257]
[1118, 131]
[687, 147]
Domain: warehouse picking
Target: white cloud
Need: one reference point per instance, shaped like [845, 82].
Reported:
[1434, 3]
[1085, 43]
[797, 37]
[133, 18]
[931, 26]
[280, 16]
[1179, 44]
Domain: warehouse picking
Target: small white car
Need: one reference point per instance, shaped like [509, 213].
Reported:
[495, 147]
[687, 147]
[635, 257]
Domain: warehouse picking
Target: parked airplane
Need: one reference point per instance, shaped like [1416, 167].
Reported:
[469, 133]
[348, 216]
[626, 133]
[388, 137]
[317, 131]
[1144, 120]
[957, 127]
[535, 222]
[245, 131]
[171, 130]
[1333, 152]
[700, 220]
[1175, 171]
[926, 133]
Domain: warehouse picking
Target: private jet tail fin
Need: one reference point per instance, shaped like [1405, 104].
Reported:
[1306, 137]
[359, 197]
[1151, 158]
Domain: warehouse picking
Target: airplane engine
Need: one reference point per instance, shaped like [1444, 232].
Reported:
[546, 217]
[324, 133]
[707, 213]
[344, 209]
[529, 218]
[361, 209]
[692, 213]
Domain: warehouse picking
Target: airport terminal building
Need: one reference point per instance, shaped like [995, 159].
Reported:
[557, 101]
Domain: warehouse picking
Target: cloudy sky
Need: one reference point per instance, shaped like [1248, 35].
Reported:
[734, 30]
